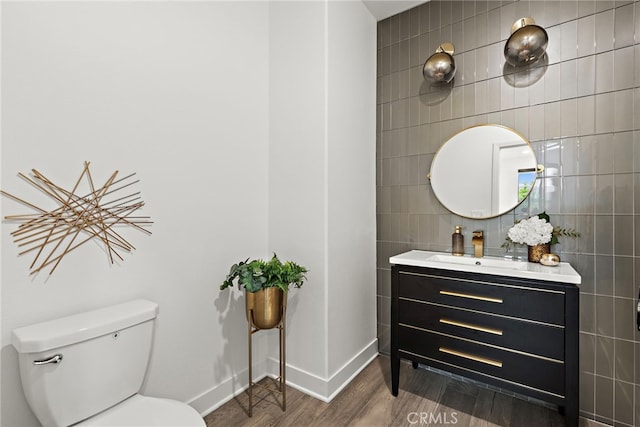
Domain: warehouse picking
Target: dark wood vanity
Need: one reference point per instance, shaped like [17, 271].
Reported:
[515, 333]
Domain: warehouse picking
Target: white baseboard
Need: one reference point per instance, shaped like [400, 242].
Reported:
[324, 389]
[212, 399]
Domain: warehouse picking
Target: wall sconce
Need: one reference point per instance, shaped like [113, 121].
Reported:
[440, 67]
[526, 44]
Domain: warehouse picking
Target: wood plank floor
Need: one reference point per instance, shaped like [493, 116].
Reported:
[425, 399]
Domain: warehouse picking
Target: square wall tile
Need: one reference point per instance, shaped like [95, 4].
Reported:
[604, 155]
[586, 7]
[636, 66]
[384, 310]
[605, 111]
[587, 352]
[586, 80]
[624, 360]
[585, 244]
[623, 63]
[625, 319]
[587, 113]
[604, 356]
[604, 31]
[604, 397]
[623, 410]
[636, 220]
[636, 156]
[604, 192]
[623, 149]
[587, 313]
[383, 282]
[586, 39]
[569, 75]
[384, 338]
[604, 234]
[569, 117]
[623, 26]
[568, 203]
[587, 392]
[469, 31]
[637, 419]
[604, 275]
[637, 359]
[624, 285]
[604, 326]
[623, 110]
[623, 235]
[552, 82]
[569, 39]
[552, 120]
[604, 72]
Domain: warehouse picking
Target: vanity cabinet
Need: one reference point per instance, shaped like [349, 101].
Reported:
[515, 333]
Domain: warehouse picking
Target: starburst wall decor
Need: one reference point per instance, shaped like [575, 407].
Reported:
[80, 216]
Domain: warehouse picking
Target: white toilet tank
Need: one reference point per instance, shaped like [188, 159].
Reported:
[74, 367]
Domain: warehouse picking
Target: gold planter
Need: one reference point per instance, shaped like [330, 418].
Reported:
[536, 252]
[265, 307]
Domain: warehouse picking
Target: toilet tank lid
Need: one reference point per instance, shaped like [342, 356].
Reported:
[82, 326]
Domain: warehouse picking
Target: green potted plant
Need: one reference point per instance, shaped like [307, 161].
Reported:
[266, 284]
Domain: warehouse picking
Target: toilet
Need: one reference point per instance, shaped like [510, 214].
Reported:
[87, 369]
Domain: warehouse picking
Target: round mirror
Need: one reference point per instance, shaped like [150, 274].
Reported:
[483, 171]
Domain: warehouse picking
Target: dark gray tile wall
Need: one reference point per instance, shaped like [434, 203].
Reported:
[583, 119]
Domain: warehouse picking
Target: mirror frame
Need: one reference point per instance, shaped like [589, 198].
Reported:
[453, 170]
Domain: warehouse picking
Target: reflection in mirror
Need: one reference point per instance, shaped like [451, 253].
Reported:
[483, 171]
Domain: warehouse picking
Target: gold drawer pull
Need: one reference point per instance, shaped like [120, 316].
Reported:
[477, 297]
[470, 326]
[491, 362]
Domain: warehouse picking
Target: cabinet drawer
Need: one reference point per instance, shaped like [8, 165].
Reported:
[522, 335]
[543, 305]
[490, 362]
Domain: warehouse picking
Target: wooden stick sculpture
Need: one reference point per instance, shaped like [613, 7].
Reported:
[53, 234]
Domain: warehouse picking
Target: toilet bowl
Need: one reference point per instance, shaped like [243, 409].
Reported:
[87, 370]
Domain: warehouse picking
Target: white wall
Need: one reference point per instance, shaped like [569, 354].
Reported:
[251, 127]
[322, 185]
[176, 92]
[297, 171]
[351, 181]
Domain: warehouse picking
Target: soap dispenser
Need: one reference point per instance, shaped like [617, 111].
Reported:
[457, 242]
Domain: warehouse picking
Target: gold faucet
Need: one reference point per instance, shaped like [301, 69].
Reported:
[478, 243]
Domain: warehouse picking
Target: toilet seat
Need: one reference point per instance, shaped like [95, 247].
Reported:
[144, 411]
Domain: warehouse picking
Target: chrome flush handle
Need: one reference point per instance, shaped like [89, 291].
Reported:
[53, 359]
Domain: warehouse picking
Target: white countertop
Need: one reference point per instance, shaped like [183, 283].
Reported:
[492, 265]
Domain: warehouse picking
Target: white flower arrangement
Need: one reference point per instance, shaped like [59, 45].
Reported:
[531, 232]
[536, 230]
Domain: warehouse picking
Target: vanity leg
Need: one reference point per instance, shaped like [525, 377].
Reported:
[571, 414]
[572, 358]
[395, 355]
[395, 374]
